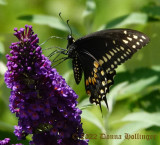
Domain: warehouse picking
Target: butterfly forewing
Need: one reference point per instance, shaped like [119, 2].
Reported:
[112, 47]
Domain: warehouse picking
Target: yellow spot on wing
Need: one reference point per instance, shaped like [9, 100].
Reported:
[109, 81]
[122, 48]
[111, 53]
[103, 83]
[95, 70]
[105, 59]
[95, 75]
[109, 57]
[101, 61]
[87, 83]
[96, 64]
[102, 73]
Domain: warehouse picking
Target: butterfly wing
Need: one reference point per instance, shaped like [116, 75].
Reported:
[112, 47]
[101, 52]
[97, 81]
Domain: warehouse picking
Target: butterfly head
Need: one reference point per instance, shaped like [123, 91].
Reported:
[70, 40]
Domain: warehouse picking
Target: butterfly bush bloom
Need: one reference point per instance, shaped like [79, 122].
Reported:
[44, 104]
[5, 141]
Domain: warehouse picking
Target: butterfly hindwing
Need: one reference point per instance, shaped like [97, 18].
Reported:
[97, 80]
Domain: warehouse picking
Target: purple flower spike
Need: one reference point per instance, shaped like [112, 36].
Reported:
[6, 141]
[44, 104]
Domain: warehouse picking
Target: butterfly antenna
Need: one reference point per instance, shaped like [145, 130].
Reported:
[65, 23]
[69, 27]
[51, 38]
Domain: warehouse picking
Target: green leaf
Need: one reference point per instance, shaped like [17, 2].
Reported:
[138, 82]
[51, 21]
[133, 18]
[136, 87]
[148, 118]
[89, 116]
[152, 11]
[5, 126]
[88, 14]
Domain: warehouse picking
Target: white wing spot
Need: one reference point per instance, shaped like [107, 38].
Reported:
[134, 46]
[143, 37]
[118, 59]
[125, 41]
[141, 40]
[125, 32]
[129, 38]
[102, 91]
[135, 36]
[114, 42]
[137, 43]
[106, 44]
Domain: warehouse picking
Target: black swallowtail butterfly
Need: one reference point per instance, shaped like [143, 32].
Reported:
[98, 54]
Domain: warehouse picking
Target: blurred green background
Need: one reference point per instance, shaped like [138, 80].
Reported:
[134, 98]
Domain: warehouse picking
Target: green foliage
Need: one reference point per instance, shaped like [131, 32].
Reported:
[135, 96]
